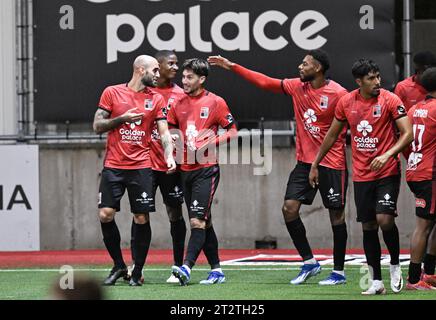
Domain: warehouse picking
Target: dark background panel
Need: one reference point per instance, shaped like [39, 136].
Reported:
[71, 69]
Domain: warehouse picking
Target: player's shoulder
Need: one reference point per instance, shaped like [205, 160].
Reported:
[389, 95]
[349, 96]
[177, 89]
[336, 87]
[116, 87]
[215, 98]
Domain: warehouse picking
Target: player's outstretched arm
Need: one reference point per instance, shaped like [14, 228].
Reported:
[329, 140]
[167, 144]
[259, 79]
[103, 122]
[406, 138]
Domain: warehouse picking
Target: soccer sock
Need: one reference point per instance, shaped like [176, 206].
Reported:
[371, 245]
[141, 244]
[339, 246]
[195, 245]
[132, 239]
[297, 231]
[112, 239]
[210, 248]
[392, 240]
[429, 263]
[414, 272]
[178, 234]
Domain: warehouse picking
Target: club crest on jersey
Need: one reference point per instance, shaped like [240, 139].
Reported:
[324, 102]
[376, 111]
[401, 109]
[204, 113]
[148, 104]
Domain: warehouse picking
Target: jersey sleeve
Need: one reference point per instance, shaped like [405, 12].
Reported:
[340, 109]
[223, 115]
[171, 116]
[259, 79]
[160, 108]
[396, 107]
[106, 100]
[289, 86]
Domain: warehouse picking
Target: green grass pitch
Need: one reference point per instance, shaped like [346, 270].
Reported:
[243, 283]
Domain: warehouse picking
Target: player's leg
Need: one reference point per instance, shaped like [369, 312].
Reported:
[140, 191]
[110, 192]
[418, 245]
[387, 191]
[430, 258]
[333, 188]
[172, 193]
[298, 192]
[425, 197]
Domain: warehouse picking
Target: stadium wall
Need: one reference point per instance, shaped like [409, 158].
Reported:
[246, 207]
[8, 110]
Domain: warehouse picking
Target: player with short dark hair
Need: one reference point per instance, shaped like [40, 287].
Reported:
[371, 113]
[314, 101]
[197, 116]
[170, 185]
[410, 90]
[421, 178]
[127, 112]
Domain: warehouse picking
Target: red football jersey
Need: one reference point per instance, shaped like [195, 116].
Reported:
[127, 146]
[421, 164]
[314, 111]
[157, 155]
[198, 119]
[372, 126]
[410, 92]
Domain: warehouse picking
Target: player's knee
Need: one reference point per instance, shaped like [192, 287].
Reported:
[197, 223]
[386, 222]
[106, 215]
[370, 225]
[337, 217]
[141, 218]
[290, 212]
[174, 213]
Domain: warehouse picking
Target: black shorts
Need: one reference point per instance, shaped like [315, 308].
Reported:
[375, 197]
[199, 187]
[139, 184]
[170, 186]
[332, 186]
[425, 198]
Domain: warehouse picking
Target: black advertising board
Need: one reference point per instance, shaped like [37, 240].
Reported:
[82, 46]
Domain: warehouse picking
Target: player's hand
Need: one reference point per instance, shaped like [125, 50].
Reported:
[171, 165]
[220, 62]
[314, 176]
[131, 116]
[379, 162]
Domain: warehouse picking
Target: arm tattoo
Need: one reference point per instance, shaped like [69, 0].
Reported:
[102, 123]
[167, 144]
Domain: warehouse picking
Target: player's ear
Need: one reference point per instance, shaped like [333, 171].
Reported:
[359, 82]
[202, 79]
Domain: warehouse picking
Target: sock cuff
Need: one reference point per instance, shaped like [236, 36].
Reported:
[339, 227]
[295, 223]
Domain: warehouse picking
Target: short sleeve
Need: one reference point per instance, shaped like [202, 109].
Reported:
[106, 102]
[223, 114]
[340, 109]
[396, 107]
[289, 86]
[160, 108]
[171, 115]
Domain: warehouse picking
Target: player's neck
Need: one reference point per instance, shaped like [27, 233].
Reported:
[164, 83]
[197, 92]
[136, 85]
[318, 82]
[365, 95]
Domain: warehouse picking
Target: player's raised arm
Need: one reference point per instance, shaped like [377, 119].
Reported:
[259, 79]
